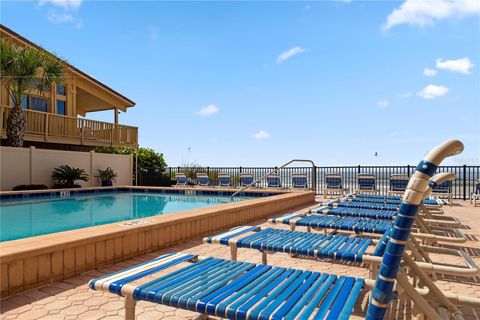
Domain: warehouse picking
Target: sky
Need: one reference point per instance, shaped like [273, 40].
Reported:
[231, 83]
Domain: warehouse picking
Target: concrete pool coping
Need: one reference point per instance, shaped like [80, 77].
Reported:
[31, 262]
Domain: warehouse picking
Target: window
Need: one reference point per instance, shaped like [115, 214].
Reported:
[61, 107]
[61, 90]
[24, 103]
[38, 104]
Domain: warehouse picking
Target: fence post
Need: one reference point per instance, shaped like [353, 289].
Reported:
[464, 182]
[408, 170]
[358, 170]
[30, 167]
[314, 179]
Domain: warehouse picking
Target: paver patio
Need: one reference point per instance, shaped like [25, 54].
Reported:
[72, 299]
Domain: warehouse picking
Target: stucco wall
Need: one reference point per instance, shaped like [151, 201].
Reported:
[34, 166]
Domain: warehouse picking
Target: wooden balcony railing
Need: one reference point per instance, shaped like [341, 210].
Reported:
[54, 128]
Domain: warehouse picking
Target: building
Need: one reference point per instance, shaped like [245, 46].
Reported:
[55, 118]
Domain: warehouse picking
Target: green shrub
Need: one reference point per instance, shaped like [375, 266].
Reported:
[147, 158]
[65, 176]
[23, 187]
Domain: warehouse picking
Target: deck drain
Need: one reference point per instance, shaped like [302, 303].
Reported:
[135, 223]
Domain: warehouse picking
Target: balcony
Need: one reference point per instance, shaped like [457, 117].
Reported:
[53, 128]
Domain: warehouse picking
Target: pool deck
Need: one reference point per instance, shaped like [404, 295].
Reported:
[71, 299]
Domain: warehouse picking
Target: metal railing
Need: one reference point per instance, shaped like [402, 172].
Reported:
[276, 171]
[461, 187]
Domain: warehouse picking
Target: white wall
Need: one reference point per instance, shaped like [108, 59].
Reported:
[34, 166]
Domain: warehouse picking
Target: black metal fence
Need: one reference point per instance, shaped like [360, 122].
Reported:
[461, 187]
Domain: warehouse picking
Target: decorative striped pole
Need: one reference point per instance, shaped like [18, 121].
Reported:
[382, 292]
[437, 180]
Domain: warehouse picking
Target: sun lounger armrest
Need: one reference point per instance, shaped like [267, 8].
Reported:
[223, 237]
[471, 269]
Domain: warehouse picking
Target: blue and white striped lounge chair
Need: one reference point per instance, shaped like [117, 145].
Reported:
[274, 181]
[396, 200]
[181, 179]
[315, 221]
[363, 205]
[240, 290]
[367, 183]
[233, 289]
[299, 181]
[337, 247]
[475, 195]
[430, 227]
[357, 212]
[398, 184]
[224, 180]
[202, 179]
[246, 179]
[333, 185]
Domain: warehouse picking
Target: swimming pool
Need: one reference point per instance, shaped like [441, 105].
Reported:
[28, 217]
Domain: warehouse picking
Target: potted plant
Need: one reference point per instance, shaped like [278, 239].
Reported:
[65, 176]
[107, 176]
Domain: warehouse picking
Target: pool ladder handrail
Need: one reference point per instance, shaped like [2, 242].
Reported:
[314, 176]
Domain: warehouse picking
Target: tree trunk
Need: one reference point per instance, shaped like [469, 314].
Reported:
[15, 127]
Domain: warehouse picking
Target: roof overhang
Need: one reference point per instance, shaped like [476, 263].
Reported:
[121, 101]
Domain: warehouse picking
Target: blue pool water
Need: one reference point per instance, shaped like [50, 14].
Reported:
[22, 218]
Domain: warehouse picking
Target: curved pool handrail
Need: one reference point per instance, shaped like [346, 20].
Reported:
[314, 177]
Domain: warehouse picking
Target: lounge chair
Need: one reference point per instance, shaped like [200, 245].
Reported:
[338, 246]
[333, 185]
[430, 226]
[388, 199]
[299, 181]
[224, 180]
[367, 183]
[240, 290]
[246, 179]
[475, 195]
[202, 179]
[182, 179]
[443, 190]
[274, 181]
[398, 184]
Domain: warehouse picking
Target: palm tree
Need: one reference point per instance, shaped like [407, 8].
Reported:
[22, 68]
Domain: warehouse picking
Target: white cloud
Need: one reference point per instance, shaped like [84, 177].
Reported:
[59, 18]
[463, 65]
[289, 53]
[65, 15]
[383, 103]
[405, 95]
[432, 91]
[65, 4]
[208, 110]
[429, 72]
[261, 135]
[424, 13]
